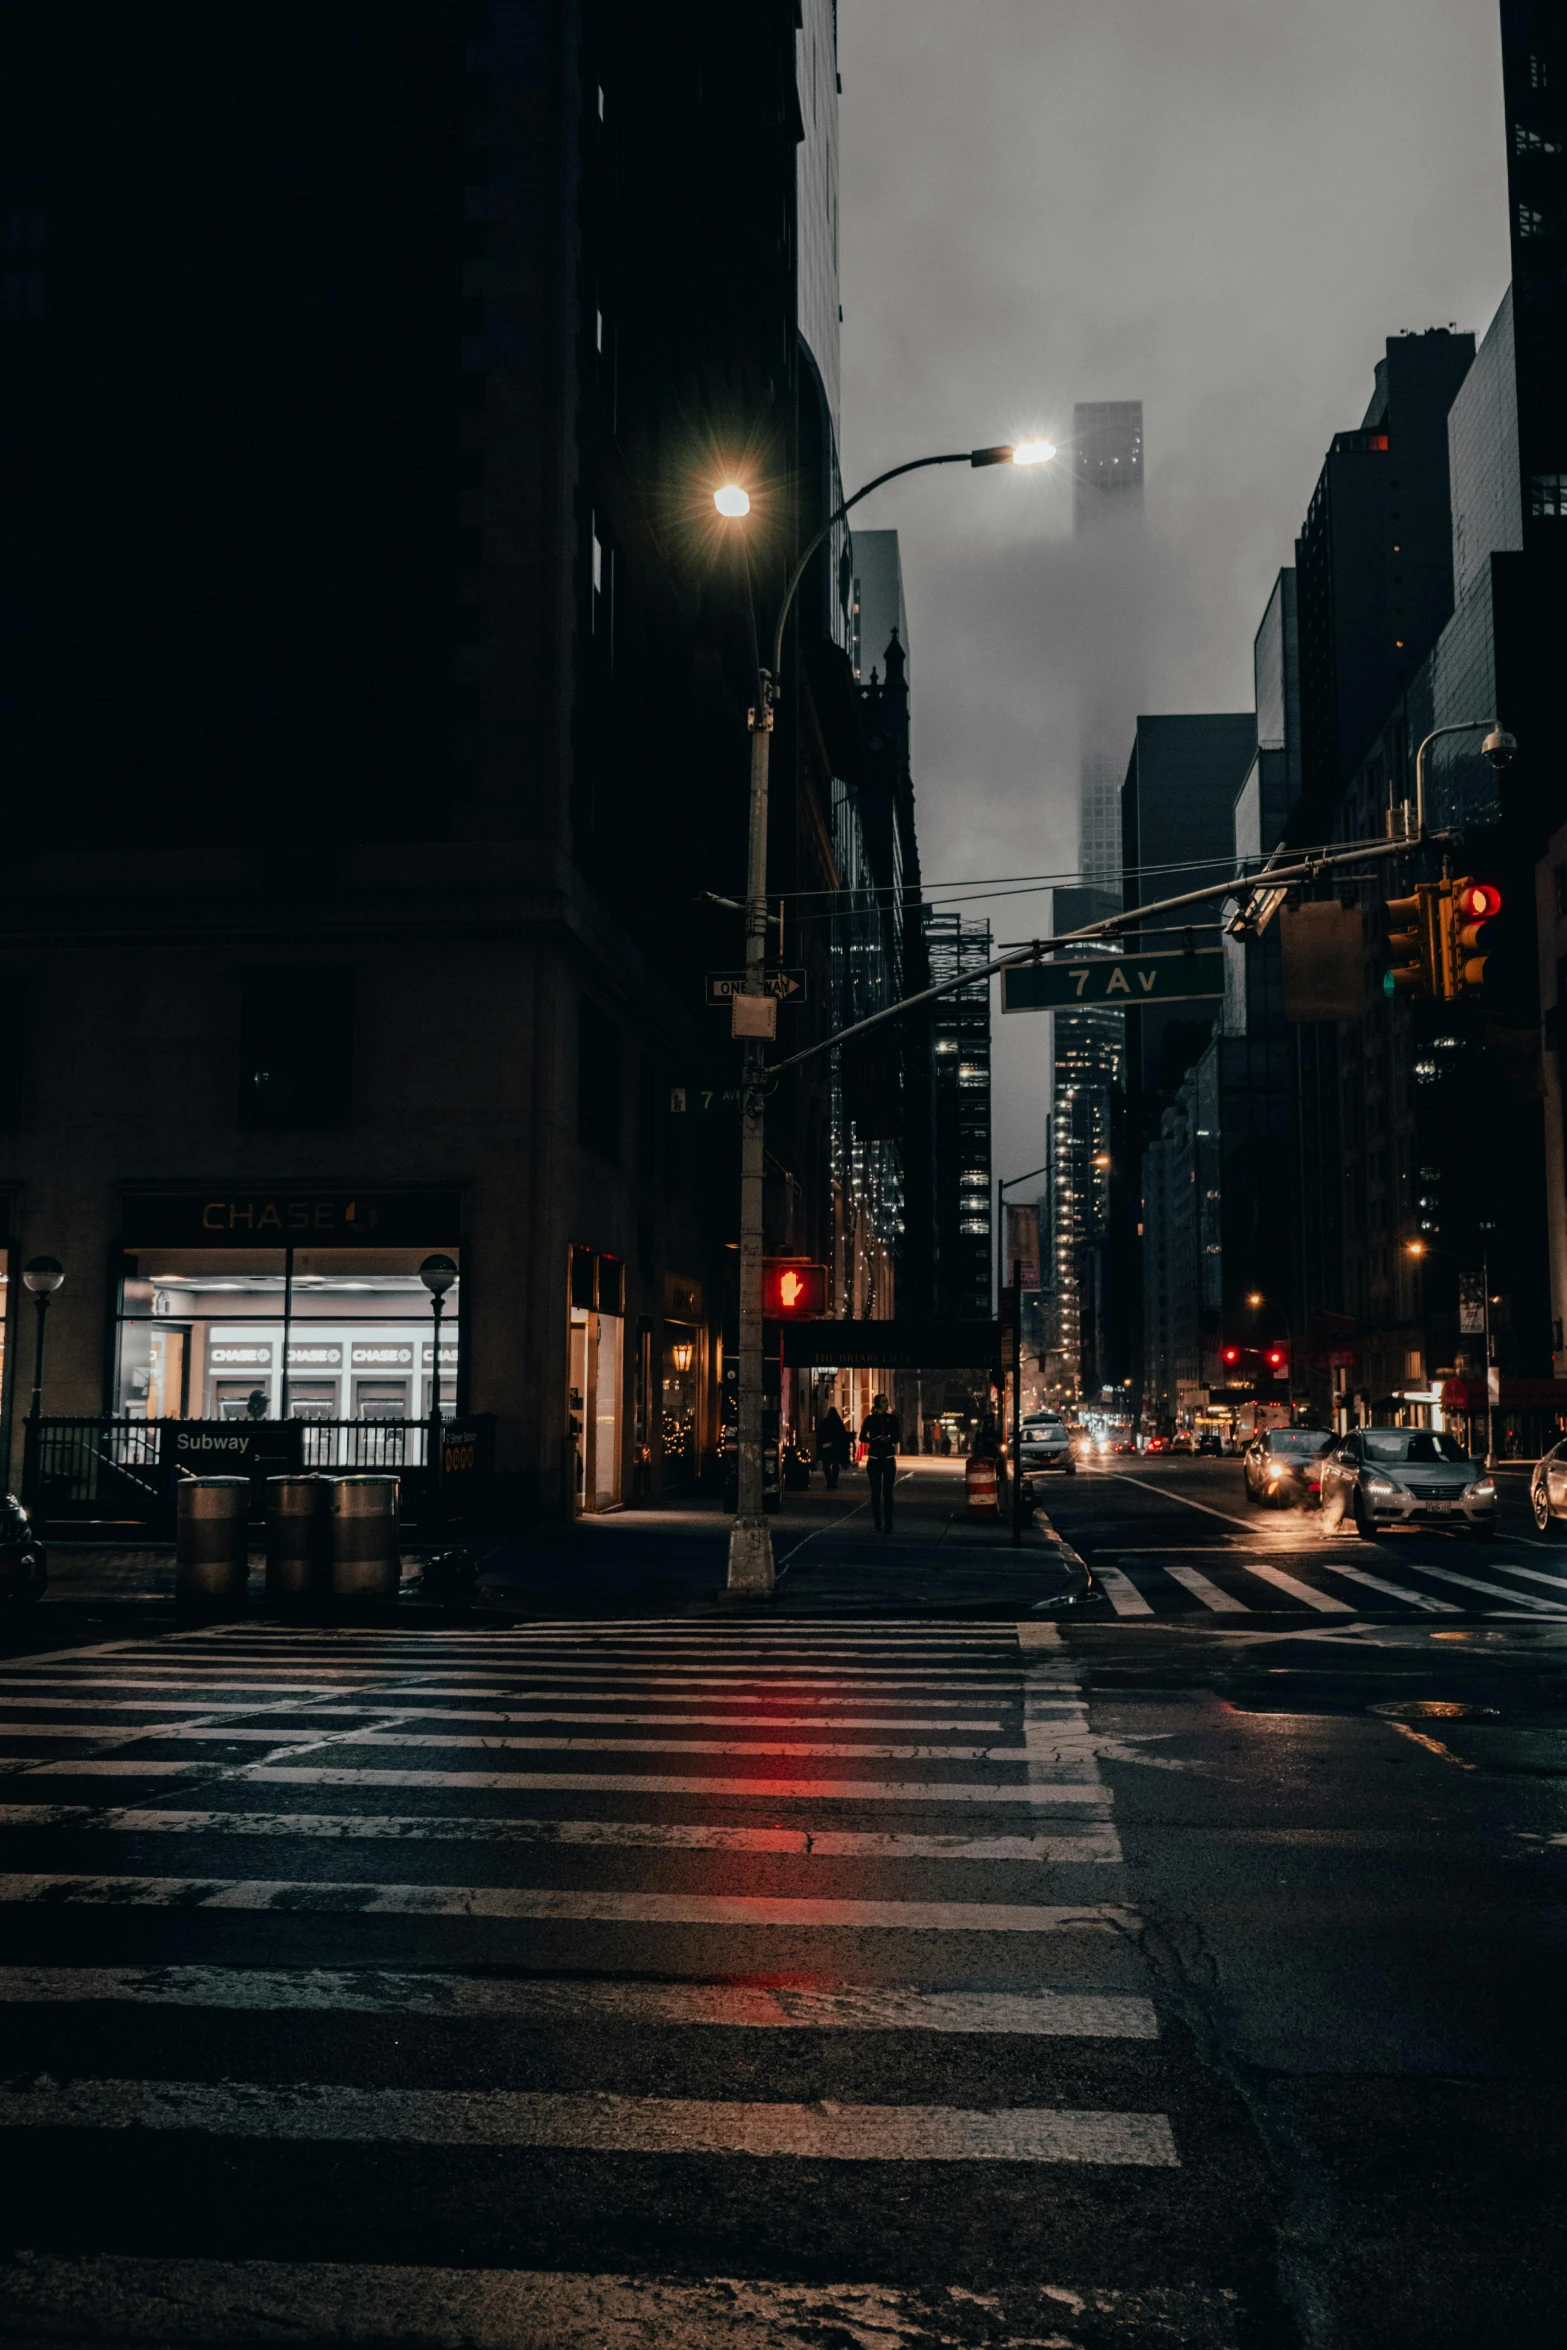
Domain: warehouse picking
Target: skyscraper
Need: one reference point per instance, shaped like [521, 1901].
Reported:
[1107, 495]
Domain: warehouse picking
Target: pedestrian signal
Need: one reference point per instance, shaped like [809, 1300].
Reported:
[1470, 904]
[792, 1289]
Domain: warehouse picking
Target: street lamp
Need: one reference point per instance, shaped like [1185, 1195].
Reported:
[437, 1273]
[1256, 1301]
[750, 1544]
[43, 1276]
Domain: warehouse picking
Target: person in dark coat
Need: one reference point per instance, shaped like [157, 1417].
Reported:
[881, 1436]
[832, 1445]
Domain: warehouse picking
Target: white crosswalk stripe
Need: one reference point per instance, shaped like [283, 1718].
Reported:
[954, 1900]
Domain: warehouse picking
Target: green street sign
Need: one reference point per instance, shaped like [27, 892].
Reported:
[1113, 980]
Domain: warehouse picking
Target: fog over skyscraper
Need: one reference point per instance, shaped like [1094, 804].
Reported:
[1107, 497]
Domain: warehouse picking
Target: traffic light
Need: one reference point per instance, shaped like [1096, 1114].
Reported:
[1468, 906]
[1231, 1356]
[1277, 1359]
[1414, 939]
[792, 1289]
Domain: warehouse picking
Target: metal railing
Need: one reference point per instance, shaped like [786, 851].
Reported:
[124, 1473]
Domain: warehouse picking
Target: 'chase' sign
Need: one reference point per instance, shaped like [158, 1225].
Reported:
[231, 1216]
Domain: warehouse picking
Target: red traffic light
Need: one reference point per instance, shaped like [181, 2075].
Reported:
[1278, 1359]
[1477, 901]
[1232, 1355]
[792, 1289]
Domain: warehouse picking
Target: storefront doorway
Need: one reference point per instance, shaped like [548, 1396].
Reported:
[596, 1378]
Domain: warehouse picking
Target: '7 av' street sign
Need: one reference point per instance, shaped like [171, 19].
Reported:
[1113, 979]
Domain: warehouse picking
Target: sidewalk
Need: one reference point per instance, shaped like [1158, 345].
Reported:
[669, 1559]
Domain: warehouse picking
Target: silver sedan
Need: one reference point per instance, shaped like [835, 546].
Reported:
[1384, 1477]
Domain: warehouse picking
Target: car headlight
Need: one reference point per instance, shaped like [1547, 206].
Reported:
[1482, 1489]
[1383, 1486]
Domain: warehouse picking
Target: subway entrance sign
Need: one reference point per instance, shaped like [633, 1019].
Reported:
[1113, 979]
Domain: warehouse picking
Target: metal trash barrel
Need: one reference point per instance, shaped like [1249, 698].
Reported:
[212, 1541]
[367, 1560]
[298, 1537]
[983, 1497]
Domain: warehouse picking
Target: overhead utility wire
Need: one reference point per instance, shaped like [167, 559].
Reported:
[1309, 866]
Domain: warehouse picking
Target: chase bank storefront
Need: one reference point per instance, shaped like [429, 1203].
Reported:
[284, 1304]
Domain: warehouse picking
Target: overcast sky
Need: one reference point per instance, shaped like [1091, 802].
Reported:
[1220, 207]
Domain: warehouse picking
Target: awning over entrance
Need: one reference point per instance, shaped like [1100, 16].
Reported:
[892, 1346]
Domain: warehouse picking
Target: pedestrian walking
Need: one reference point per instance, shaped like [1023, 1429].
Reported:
[880, 1437]
[832, 1445]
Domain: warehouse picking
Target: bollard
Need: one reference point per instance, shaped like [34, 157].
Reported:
[983, 1496]
[299, 1562]
[212, 1541]
[366, 1554]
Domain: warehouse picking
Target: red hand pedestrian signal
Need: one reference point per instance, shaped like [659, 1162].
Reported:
[791, 1290]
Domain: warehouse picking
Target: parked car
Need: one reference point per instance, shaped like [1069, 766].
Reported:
[1045, 1442]
[1548, 1488]
[1383, 1477]
[24, 1563]
[1284, 1465]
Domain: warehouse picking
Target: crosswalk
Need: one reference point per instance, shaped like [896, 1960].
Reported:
[586, 1984]
[1240, 1576]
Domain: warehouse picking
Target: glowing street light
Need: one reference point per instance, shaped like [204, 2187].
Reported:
[732, 501]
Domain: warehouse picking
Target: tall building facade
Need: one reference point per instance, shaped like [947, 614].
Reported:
[365, 778]
[1085, 1122]
[1107, 503]
[961, 1049]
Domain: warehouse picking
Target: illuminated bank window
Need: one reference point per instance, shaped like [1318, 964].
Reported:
[226, 1334]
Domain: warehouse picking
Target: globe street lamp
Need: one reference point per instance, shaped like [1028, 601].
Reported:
[437, 1273]
[43, 1276]
[754, 1015]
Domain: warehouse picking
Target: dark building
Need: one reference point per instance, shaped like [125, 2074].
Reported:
[375, 687]
[1374, 562]
[1433, 1137]
[961, 1049]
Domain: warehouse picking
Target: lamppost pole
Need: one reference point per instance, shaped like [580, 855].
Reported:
[750, 1543]
[437, 1273]
[42, 1276]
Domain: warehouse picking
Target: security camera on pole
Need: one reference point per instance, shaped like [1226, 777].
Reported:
[755, 1014]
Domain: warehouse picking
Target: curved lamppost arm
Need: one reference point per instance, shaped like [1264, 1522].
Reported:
[998, 456]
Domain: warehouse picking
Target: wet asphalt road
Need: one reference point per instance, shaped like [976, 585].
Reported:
[1187, 1977]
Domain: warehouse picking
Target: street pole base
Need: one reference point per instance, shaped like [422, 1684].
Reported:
[750, 1556]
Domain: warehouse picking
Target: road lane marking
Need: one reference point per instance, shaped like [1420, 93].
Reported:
[1223, 1603]
[1168, 1493]
[1551, 1582]
[1121, 1591]
[757, 1789]
[1322, 1601]
[676, 1721]
[115, 2297]
[541, 1902]
[743, 2007]
[824, 2132]
[1420, 1599]
[1031, 1636]
[1514, 1599]
[1091, 1845]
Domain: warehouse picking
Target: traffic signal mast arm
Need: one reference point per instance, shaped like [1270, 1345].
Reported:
[1309, 865]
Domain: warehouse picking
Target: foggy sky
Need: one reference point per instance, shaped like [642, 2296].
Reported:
[1220, 207]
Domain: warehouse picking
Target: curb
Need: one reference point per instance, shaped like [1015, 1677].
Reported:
[1077, 1568]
